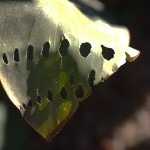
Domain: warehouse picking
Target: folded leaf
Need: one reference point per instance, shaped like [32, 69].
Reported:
[51, 56]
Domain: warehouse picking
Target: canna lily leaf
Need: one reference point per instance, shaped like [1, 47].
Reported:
[50, 57]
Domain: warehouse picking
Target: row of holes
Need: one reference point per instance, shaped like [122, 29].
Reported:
[30, 49]
[79, 91]
[85, 50]
[63, 94]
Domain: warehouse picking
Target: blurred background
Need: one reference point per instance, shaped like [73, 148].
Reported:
[117, 115]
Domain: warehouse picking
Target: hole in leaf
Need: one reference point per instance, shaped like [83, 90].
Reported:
[16, 55]
[5, 58]
[85, 49]
[38, 99]
[79, 92]
[63, 93]
[24, 105]
[72, 77]
[46, 48]
[91, 78]
[108, 53]
[30, 103]
[30, 52]
[64, 47]
[49, 95]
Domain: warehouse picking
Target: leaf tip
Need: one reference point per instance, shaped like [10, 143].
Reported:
[132, 54]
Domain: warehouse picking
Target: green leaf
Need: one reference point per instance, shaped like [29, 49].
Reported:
[51, 55]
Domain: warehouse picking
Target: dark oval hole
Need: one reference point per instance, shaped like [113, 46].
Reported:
[72, 78]
[85, 49]
[46, 48]
[16, 55]
[49, 95]
[5, 58]
[30, 103]
[63, 93]
[38, 99]
[91, 78]
[30, 52]
[79, 92]
[24, 105]
[108, 53]
[63, 50]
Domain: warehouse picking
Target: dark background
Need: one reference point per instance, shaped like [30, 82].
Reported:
[117, 115]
